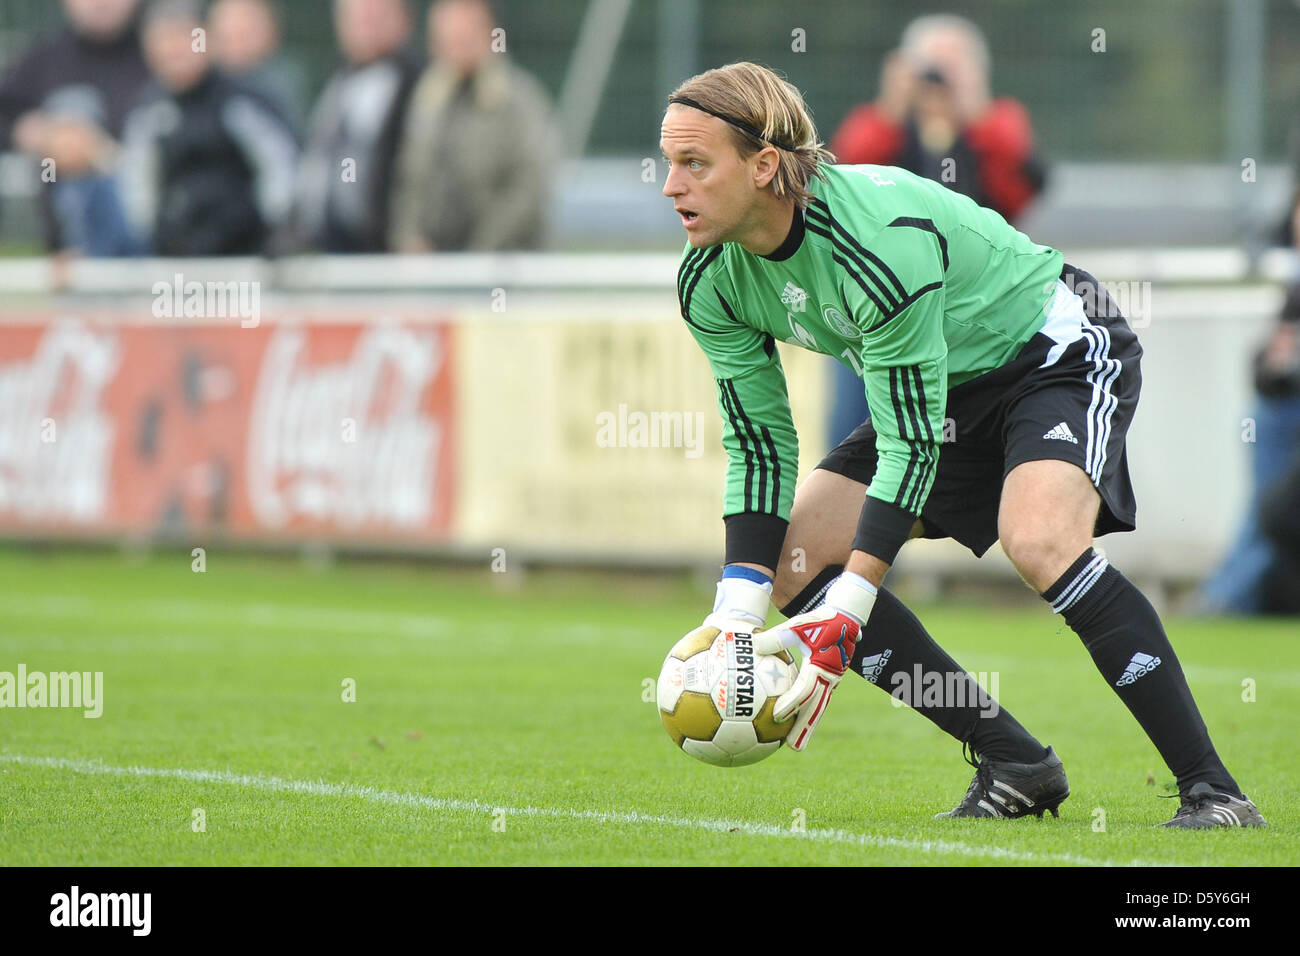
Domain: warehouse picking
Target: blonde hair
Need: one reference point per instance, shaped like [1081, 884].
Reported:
[749, 95]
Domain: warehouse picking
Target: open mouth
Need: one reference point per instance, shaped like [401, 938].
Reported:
[689, 216]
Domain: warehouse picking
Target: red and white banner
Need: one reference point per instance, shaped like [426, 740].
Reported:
[342, 429]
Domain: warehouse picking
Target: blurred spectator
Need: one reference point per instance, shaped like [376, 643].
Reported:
[935, 116]
[1280, 520]
[473, 162]
[244, 37]
[64, 99]
[208, 164]
[84, 200]
[935, 105]
[1261, 574]
[342, 200]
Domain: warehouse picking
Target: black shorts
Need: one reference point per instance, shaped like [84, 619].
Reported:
[1052, 401]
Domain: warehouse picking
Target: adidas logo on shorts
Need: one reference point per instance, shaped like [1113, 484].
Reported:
[1139, 666]
[1062, 433]
[874, 666]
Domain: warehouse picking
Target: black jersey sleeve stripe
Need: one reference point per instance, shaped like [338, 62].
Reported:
[725, 394]
[852, 270]
[856, 277]
[684, 270]
[690, 289]
[912, 492]
[862, 250]
[683, 277]
[930, 456]
[902, 306]
[900, 498]
[898, 404]
[694, 280]
[824, 229]
[914, 396]
[929, 226]
[932, 448]
[776, 469]
[759, 503]
[917, 294]
[695, 325]
[845, 302]
[692, 274]
[903, 499]
[932, 466]
[726, 307]
[915, 372]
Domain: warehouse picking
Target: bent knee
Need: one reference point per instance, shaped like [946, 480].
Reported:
[1042, 556]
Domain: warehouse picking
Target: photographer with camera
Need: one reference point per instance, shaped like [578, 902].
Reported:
[935, 117]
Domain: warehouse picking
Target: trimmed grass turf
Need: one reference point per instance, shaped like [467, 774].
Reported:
[475, 692]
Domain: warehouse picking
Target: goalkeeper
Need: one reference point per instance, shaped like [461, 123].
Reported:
[1001, 383]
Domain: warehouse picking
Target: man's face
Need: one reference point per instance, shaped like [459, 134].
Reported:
[243, 34]
[101, 20]
[460, 35]
[369, 29]
[712, 188]
[168, 48]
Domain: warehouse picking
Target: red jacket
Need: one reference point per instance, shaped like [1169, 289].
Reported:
[1001, 139]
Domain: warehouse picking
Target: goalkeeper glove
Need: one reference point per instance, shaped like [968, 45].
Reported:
[827, 636]
[740, 600]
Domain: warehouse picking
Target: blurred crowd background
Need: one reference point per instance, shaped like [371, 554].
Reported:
[278, 130]
[554, 99]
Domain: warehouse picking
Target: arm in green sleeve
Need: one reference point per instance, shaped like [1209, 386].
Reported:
[757, 430]
[905, 373]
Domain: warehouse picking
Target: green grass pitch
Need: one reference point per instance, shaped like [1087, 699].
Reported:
[504, 721]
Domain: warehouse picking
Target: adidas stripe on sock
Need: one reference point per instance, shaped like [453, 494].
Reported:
[1123, 633]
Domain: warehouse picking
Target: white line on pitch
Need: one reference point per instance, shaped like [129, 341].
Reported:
[320, 788]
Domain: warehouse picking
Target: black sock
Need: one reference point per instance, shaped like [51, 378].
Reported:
[1123, 633]
[894, 645]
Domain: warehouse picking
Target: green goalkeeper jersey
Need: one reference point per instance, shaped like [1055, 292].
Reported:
[915, 287]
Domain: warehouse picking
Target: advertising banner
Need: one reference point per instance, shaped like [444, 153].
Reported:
[295, 429]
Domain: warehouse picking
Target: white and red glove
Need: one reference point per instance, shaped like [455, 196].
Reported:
[740, 605]
[740, 601]
[827, 636]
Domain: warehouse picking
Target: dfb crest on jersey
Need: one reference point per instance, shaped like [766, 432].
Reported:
[842, 326]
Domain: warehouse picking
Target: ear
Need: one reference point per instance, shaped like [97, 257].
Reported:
[767, 161]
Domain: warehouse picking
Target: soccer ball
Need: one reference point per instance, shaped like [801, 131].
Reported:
[716, 697]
